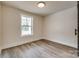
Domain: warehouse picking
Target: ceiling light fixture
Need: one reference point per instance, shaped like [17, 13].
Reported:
[41, 4]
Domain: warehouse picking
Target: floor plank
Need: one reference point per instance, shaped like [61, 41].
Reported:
[40, 49]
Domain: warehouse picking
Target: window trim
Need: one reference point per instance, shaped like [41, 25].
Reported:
[30, 26]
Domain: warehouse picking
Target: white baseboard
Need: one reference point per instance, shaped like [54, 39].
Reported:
[63, 43]
[16, 44]
[0, 51]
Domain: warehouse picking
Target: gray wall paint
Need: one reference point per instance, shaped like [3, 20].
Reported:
[0, 27]
[11, 27]
[59, 27]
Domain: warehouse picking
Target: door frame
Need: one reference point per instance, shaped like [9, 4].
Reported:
[78, 26]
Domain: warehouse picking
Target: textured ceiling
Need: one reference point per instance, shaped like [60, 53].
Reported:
[51, 6]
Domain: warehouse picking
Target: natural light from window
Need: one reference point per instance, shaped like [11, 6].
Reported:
[26, 25]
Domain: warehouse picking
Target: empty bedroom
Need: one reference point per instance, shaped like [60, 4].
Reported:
[39, 29]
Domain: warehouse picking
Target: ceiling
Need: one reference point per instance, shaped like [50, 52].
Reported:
[51, 6]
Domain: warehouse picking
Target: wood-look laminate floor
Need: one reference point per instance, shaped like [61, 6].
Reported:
[40, 49]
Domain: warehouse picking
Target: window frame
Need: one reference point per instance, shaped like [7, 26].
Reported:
[28, 26]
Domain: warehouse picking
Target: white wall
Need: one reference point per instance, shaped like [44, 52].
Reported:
[11, 27]
[59, 27]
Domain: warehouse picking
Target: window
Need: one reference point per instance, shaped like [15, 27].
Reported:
[26, 25]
